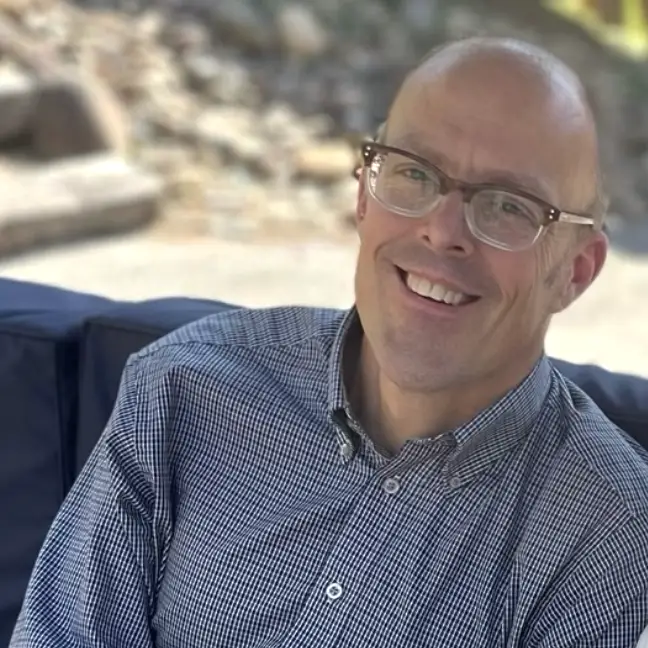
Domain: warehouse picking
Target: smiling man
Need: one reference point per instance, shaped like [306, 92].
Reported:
[412, 472]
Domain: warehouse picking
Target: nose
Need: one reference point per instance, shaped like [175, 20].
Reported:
[444, 228]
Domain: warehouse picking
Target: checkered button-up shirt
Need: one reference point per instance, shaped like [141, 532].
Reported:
[234, 502]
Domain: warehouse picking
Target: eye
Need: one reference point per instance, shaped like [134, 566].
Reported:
[414, 173]
[515, 208]
[505, 210]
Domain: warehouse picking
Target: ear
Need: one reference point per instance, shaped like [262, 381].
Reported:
[361, 204]
[586, 265]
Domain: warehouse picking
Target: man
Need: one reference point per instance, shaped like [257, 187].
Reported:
[412, 472]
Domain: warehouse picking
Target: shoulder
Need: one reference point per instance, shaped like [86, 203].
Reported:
[242, 335]
[601, 452]
[241, 355]
[252, 328]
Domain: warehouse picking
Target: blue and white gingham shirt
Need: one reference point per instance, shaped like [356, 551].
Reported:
[229, 504]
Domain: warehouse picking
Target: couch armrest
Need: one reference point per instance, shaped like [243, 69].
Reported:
[40, 329]
[109, 339]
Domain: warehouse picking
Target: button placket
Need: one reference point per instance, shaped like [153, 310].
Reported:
[344, 575]
[455, 482]
[334, 591]
[346, 451]
[391, 485]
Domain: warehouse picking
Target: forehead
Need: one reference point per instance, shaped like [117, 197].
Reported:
[481, 127]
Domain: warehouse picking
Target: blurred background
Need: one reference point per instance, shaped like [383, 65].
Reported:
[205, 147]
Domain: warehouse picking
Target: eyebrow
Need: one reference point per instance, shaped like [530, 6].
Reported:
[506, 179]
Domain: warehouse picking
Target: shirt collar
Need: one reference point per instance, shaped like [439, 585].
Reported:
[496, 430]
[339, 408]
[479, 443]
[337, 395]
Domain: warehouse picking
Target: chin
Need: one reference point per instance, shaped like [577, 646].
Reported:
[422, 380]
[429, 371]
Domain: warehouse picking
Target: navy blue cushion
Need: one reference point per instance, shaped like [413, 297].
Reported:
[622, 397]
[39, 349]
[108, 341]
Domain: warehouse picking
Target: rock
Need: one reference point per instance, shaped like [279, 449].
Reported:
[164, 158]
[76, 117]
[236, 22]
[461, 22]
[231, 132]
[187, 185]
[169, 114]
[87, 196]
[185, 35]
[300, 32]
[419, 15]
[107, 112]
[17, 102]
[17, 8]
[351, 98]
[184, 178]
[226, 81]
[150, 25]
[281, 124]
[324, 161]
[202, 69]
[235, 203]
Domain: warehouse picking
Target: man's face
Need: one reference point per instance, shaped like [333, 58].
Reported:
[475, 132]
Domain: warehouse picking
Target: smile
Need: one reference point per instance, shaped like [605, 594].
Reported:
[435, 291]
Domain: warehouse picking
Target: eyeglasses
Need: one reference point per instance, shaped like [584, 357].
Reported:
[410, 186]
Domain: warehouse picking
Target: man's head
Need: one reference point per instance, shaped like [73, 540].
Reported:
[488, 112]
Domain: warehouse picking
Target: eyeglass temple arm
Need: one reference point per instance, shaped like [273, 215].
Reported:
[575, 219]
[357, 170]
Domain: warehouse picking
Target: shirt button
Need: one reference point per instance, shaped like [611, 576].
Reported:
[391, 485]
[455, 482]
[334, 591]
[346, 451]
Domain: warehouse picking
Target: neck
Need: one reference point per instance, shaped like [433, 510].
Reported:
[393, 415]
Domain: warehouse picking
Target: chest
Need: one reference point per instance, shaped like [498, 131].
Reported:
[381, 558]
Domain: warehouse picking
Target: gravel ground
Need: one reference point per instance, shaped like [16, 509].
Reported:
[607, 326]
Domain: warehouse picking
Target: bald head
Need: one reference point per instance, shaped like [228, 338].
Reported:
[504, 101]
[504, 54]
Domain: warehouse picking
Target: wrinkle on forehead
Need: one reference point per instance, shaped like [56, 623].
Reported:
[505, 90]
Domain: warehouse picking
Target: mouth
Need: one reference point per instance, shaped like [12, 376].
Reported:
[435, 293]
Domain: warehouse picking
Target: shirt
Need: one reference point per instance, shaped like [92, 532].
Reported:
[234, 502]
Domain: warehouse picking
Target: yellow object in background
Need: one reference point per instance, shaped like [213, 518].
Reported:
[628, 33]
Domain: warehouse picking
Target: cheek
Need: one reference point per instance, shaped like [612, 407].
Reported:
[371, 239]
[531, 283]
[376, 229]
[379, 226]
[520, 282]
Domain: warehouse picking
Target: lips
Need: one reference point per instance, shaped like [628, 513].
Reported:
[435, 291]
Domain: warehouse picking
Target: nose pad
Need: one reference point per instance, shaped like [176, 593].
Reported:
[445, 229]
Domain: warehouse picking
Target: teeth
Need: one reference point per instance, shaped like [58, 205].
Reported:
[437, 292]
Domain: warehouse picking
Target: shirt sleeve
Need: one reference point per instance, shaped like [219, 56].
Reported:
[95, 580]
[603, 600]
